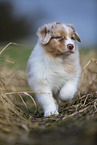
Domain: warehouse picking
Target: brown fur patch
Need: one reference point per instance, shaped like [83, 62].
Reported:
[75, 32]
[56, 47]
[69, 66]
[62, 33]
[71, 35]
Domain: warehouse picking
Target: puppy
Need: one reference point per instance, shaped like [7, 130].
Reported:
[53, 66]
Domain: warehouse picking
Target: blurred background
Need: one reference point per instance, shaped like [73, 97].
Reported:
[20, 122]
[20, 19]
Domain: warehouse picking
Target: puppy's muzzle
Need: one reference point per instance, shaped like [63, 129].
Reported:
[70, 47]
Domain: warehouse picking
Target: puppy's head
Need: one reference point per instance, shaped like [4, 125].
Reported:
[58, 38]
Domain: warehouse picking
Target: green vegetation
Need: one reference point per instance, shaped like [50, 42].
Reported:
[17, 54]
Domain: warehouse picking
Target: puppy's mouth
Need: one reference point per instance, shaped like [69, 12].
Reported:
[68, 52]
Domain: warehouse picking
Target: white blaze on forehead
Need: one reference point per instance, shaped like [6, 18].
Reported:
[68, 38]
[67, 29]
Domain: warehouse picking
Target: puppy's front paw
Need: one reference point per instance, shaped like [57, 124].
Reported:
[49, 113]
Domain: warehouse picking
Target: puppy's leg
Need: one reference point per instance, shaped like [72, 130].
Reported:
[68, 90]
[47, 101]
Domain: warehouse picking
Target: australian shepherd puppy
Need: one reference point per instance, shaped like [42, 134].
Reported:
[53, 66]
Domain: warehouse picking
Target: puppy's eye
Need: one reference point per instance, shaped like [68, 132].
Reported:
[73, 38]
[60, 37]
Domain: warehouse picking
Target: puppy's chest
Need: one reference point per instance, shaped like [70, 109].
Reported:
[58, 73]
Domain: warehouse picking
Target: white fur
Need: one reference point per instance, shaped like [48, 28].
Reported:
[47, 75]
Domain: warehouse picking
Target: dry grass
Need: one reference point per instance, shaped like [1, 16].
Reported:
[14, 92]
[21, 119]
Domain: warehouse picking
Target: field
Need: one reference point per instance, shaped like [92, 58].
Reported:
[21, 118]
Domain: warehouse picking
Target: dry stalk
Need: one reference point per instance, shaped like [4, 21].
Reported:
[83, 71]
[8, 45]
[75, 113]
[10, 105]
[23, 101]
[26, 93]
[32, 100]
[9, 61]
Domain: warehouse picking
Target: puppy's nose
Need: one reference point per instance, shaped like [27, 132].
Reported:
[70, 46]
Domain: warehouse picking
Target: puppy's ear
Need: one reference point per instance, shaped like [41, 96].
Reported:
[76, 34]
[44, 34]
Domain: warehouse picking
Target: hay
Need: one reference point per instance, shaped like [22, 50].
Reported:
[84, 104]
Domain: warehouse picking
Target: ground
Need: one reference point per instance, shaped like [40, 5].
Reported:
[21, 118]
